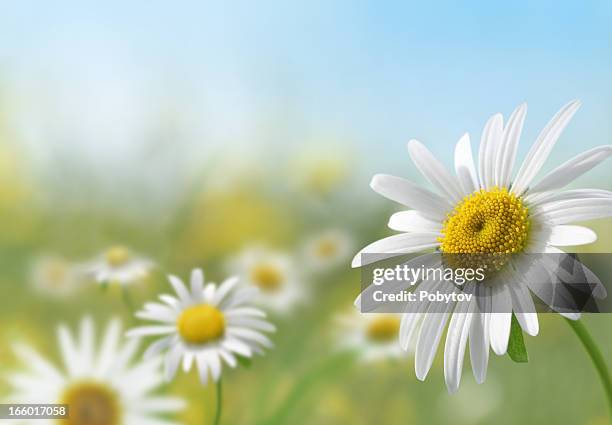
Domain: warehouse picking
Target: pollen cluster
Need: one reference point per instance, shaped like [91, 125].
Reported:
[201, 324]
[383, 329]
[91, 403]
[487, 221]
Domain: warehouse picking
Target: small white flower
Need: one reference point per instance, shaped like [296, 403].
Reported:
[327, 249]
[120, 265]
[274, 274]
[207, 324]
[373, 335]
[484, 210]
[54, 276]
[99, 386]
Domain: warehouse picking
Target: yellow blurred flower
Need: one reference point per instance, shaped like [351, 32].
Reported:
[374, 335]
[328, 249]
[274, 273]
[321, 172]
[54, 276]
[223, 221]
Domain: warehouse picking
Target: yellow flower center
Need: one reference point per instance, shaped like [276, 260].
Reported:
[55, 273]
[117, 255]
[494, 221]
[326, 248]
[383, 329]
[201, 324]
[267, 277]
[91, 403]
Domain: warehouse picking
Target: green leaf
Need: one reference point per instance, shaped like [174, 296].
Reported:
[516, 345]
[244, 361]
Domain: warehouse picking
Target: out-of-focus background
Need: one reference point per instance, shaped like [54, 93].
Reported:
[191, 131]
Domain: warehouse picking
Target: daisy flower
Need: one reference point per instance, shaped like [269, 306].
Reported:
[99, 386]
[120, 265]
[483, 209]
[273, 273]
[54, 276]
[373, 336]
[207, 324]
[327, 249]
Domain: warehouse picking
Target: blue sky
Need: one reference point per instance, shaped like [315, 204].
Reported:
[374, 73]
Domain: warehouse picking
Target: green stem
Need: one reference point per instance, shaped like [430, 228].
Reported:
[219, 403]
[596, 357]
[127, 299]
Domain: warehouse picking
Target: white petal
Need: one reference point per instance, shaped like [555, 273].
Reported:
[429, 337]
[542, 147]
[524, 308]
[172, 361]
[202, 363]
[38, 364]
[464, 166]
[87, 342]
[562, 212]
[454, 349]
[236, 346]
[179, 288]
[224, 289]
[197, 283]
[413, 221]
[108, 348]
[188, 358]
[70, 354]
[245, 311]
[411, 319]
[572, 169]
[571, 316]
[434, 171]
[541, 198]
[215, 365]
[567, 235]
[489, 144]
[500, 320]
[479, 345]
[479, 335]
[157, 347]
[394, 245]
[228, 358]
[408, 194]
[250, 335]
[150, 330]
[506, 154]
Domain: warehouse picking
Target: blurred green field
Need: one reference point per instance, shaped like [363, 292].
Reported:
[305, 379]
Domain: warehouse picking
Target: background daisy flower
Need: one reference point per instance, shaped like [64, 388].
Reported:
[482, 209]
[373, 336]
[327, 249]
[206, 324]
[98, 383]
[120, 265]
[54, 276]
[274, 274]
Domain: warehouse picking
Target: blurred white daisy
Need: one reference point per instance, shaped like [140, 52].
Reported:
[373, 335]
[484, 210]
[54, 276]
[327, 249]
[274, 273]
[119, 265]
[207, 325]
[99, 384]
